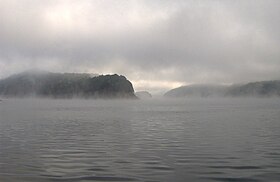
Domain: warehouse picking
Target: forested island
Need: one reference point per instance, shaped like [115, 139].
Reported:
[252, 89]
[66, 85]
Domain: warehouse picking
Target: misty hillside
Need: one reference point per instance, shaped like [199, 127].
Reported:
[253, 89]
[197, 91]
[66, 85]
[143, 95]
[259, 89]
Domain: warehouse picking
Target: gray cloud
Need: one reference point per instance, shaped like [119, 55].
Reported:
[156, 44]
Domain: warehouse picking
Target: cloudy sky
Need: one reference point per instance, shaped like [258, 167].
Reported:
[157, 44]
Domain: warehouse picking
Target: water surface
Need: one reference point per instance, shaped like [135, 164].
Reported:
[153, 140]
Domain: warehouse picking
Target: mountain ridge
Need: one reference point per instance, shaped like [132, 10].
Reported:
[66, 85]
[251, 89]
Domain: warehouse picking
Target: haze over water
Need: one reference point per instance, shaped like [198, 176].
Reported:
[152, 140]
[153, 49]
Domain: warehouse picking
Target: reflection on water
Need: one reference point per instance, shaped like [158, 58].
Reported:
[93, 140]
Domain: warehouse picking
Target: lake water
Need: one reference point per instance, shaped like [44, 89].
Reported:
[153, 140]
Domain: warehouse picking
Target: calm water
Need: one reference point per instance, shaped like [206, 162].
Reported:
[187, 140]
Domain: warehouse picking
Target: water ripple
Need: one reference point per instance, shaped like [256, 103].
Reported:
[159, 141]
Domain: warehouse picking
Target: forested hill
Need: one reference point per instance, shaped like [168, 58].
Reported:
[259, 89]
[66, 85]
[252, 89]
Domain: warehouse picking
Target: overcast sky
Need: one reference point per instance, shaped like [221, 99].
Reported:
[157, 44]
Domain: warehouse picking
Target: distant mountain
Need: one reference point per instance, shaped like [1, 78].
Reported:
[253, 89]
[66, 85]
[143, 95]
[258, 89]
[197, 91]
